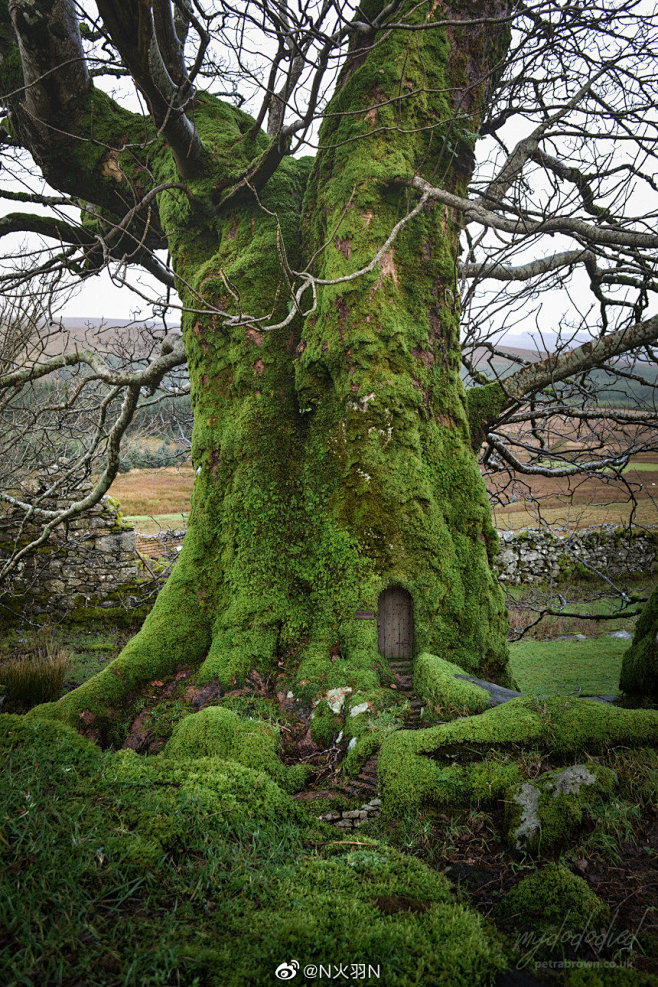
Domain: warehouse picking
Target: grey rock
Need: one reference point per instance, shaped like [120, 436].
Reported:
[497, 693]
[534, 821]
[527, 831]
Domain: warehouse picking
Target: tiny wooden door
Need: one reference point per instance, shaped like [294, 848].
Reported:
[395, 623]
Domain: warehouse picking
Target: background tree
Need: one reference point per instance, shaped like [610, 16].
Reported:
[320, 298]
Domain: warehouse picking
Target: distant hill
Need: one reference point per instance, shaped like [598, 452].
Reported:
[136, 335]
[140, 336]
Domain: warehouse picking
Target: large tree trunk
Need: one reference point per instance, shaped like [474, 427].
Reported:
[333, 457]
[639, 670]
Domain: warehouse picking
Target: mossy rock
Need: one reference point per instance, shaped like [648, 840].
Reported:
[543, 814]
[551, 910]
[435, 682]
[325, 724]
[639, 670]
[459, 763]
[219, 732]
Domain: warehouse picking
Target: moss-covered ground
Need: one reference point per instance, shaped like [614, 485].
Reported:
[188, 858]
[123, 870]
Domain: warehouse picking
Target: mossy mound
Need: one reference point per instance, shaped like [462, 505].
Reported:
[549, 897]
[543, 814]
[639, 670]
[138, 870]
[51, 742]
[551, 910]
[221, 733]
[224, 786]
[459, 763]
[434, 681]
[374, 906]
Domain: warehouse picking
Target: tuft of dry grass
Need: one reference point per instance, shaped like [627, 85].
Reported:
[34, 676]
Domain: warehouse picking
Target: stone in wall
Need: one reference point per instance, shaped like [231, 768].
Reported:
[536, 556]
[85, 561]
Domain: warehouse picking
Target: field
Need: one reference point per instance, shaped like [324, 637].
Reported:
[163, 493]
[159, 499]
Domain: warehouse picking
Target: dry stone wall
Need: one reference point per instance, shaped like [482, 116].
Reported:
[84, 563]
[534, 556]
[91, 561]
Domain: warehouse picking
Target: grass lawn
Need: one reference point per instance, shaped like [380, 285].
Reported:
[589, 667]
[87, 649]
[154, 524]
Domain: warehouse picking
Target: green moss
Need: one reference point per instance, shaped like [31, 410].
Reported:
[555, 808]
[484, 405]
[148, 869]
[366, 732]
[434, 681]
[219, 732]
[325, 725]
[224, 784]
[376, 907]
[552, 900]
[639, 671]
[50, 742]
[121, 523]
[419, 767]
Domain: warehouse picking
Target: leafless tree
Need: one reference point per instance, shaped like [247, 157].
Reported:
[539, 151]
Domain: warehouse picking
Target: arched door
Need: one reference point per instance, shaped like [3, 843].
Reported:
[395, 623]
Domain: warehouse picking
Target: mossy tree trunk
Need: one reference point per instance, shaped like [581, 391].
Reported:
[333, 456]
[639, 670]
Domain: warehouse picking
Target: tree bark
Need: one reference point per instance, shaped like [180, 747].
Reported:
[639, 670]
[333, 456]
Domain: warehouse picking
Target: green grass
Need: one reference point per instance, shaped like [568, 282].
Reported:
[89, 649]
[151, 525]
[589, 668]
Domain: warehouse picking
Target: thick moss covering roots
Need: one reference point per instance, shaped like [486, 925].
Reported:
[460, 763]
[200, 870]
